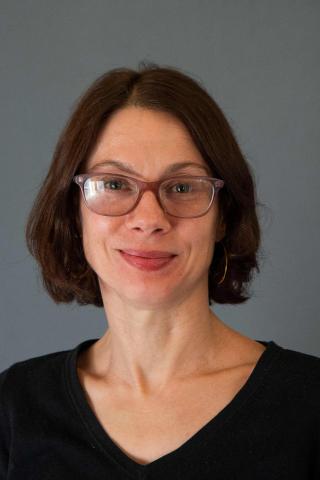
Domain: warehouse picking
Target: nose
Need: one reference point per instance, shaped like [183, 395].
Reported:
[148, 215]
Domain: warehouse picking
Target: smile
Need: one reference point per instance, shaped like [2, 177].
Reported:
[146, 263]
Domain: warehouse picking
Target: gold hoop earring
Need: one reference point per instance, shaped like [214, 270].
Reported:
[226, 265]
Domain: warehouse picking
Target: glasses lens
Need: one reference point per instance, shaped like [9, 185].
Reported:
[187, 197]
[110, 194]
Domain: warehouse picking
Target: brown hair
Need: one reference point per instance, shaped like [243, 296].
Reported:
[53, 230]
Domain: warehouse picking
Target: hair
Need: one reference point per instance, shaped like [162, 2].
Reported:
[53, 230]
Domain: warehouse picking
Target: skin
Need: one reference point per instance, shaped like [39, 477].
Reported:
[161, 329]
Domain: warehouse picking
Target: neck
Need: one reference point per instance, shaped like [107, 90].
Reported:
[148, 350]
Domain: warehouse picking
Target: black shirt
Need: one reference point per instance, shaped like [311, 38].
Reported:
[269, 430]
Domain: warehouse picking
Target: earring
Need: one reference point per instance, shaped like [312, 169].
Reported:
[226, 264]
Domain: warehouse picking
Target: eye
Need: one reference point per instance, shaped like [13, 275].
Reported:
[180, 187]
[113, 184]
[183, 187]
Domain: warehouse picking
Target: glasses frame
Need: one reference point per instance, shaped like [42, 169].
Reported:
[143, 186]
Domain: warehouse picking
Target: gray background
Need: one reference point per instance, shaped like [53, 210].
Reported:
[259, 60]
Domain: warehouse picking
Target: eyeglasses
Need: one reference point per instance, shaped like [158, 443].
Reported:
[181, 196]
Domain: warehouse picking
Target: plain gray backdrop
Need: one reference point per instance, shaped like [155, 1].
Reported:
[258, 59]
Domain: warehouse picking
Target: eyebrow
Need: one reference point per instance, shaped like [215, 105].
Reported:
[174, 167]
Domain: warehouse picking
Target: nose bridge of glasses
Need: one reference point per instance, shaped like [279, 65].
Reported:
[149, 187]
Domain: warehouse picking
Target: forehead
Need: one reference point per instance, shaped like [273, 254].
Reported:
[138, 135]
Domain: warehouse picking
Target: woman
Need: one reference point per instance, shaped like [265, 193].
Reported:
[149, 211]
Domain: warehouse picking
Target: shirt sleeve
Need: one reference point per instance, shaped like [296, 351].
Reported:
[4, 430]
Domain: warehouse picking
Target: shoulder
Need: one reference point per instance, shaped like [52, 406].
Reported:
[37, 362]
[26, 387]
[300, 364]
[296, 375]
[31, 375]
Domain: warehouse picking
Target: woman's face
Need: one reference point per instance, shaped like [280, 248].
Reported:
[149, 142]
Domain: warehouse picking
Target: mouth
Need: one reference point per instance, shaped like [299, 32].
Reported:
[148, 254]
[148, 263]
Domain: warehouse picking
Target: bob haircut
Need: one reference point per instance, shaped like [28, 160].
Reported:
[53, 230]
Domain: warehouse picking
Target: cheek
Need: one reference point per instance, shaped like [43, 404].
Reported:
[203, 240]
[203, 232]
[95, 231]
[100, 235]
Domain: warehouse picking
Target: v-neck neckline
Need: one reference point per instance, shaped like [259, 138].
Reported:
[100, 437]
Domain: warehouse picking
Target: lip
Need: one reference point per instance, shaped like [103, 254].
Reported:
[148, 263]
[148, 254]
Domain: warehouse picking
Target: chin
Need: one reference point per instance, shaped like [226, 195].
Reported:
[144, 296]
